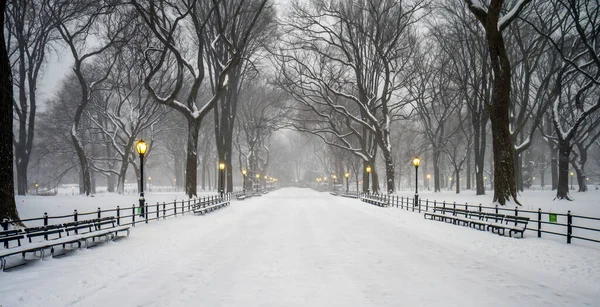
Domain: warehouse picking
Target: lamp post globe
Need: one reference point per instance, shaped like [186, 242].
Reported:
[416, 162]
[141, 148]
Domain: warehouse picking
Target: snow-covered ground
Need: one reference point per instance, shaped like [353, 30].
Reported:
[298, 247]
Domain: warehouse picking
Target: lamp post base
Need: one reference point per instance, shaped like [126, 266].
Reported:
[142, 204]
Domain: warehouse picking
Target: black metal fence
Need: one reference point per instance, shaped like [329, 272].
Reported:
[126, 215]
[567, 225]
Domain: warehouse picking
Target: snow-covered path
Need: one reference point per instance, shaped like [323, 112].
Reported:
[297, 247]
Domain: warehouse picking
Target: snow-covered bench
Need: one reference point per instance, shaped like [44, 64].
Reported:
[94, 227]
[374, 201]
[514, 224]
[497, 223]
[8, 236]
[210, 207]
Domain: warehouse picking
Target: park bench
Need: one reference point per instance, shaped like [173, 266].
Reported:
[375, 202]
[11, 235]
[242, 196]
[497, 223]
[210, 207]
[514, 224]
[53, 236]
[95, 228]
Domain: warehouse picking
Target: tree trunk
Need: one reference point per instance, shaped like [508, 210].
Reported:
[8, 207]
[192, 159]
[457, 176]
[519, 172]
[468, 170]
[389, 170]
[554, 169]
[83, 164]
[564, 151]
[436, 170]
[505, 189]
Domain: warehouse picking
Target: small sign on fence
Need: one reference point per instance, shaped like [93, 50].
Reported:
[552, 217]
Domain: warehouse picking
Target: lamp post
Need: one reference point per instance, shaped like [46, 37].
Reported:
[416, 162]
[36, 188]
[222, 182]
[449, 183]
[572, 180]
[141, 148]
[368, 169]
[257, 182]
[347, 175]
[428, 178]
[244, 184]
[149, 183]
[334, 179]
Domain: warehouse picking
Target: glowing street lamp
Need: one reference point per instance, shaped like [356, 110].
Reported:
[222, 181]
[416, 162]
[141, 148]
[244, 185]
[257, 182]
[428, 178]
[334, 179]
[36, 188]
[449, 183]
[368, 169]
[149, 183]
[347, 175]
[572, 174]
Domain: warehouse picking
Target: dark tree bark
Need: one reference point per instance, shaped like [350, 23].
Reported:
[8, 207]
[504, 173]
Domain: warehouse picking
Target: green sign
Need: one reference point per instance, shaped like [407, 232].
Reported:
[552, 217]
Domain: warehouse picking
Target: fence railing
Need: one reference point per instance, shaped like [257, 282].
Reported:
[567, 225]
[126, 215]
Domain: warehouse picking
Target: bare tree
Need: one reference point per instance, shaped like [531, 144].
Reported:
[494, 21]
[577, 83]
[77, 22]
[173, 22]
[234, 25]
[30, 32]
[357, 53]
[8, 207]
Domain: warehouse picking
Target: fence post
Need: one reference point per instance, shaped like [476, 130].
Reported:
[146, 211]
[402, 202]
[5, 228]
[516, 214]
[414, 204]
[539, 222]
[569, 228]
[46, 219]
[164, 210]
[454, 209]
[99, 213]
[157, 210]
[479, 207]
[175, 208]
[444, 205]
[133, 215]
[496, 209]
[118, 215]
[427, 205]
[419, 204]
